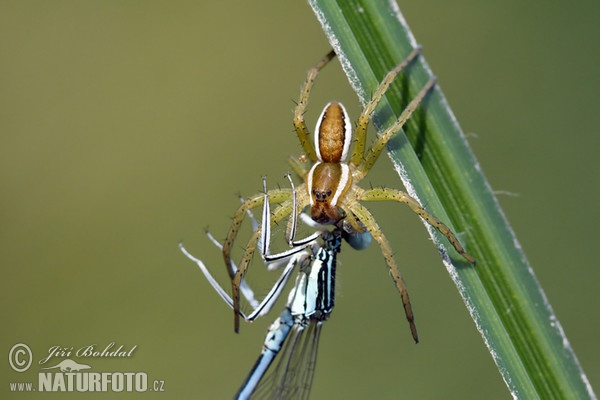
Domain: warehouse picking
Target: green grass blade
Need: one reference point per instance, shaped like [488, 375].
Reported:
[437, 167]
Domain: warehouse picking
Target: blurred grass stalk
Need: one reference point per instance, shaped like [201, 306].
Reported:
[436, 166]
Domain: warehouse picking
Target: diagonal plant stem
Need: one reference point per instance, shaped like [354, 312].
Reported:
[437, 167]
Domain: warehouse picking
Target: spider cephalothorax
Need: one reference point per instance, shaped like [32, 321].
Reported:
[330, 186]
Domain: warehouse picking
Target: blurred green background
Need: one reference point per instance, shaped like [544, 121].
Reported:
[129, 126]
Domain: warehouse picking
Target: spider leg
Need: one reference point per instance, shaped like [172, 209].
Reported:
[354, 232]
[291, 258]
[259, 309]
[380, 142]
[265, 237]
[283, 210]
[275, 195]
[253, 220]
[401, 197]
[298, 166]
[298, 204]
[362, 122]
[247, 292]
[300, 109]
[369, 222]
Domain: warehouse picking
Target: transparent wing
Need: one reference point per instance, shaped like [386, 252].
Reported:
[292, 376]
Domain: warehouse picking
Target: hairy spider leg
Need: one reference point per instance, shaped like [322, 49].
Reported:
[298, 166]
[372, 154]
[384, 194]
[291, 258]
[276, 196]
[369, 222]
[365, 116]
[283, 210]
[288, 198]
[299, 123]
[265, 239]
[259, 308]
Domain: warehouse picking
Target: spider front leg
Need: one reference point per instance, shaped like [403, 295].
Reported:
[276, 195]
[291, 258]
[369, 222]
[281, 212]
[298, 165]
[381, 141]
[387, 194]
[299, 124]
[365, 116]
[297, 206]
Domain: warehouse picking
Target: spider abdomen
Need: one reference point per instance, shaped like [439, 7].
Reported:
[333, 134]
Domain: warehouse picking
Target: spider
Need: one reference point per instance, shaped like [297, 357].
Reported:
[330, 186]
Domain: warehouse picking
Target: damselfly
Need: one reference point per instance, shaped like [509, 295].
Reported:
[297, 329]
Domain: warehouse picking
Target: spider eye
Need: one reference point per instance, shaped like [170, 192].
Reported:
[321, 196]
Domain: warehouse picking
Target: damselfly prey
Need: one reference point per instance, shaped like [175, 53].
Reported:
[297, 329]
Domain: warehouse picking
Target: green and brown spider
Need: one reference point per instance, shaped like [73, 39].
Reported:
[330, 184]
